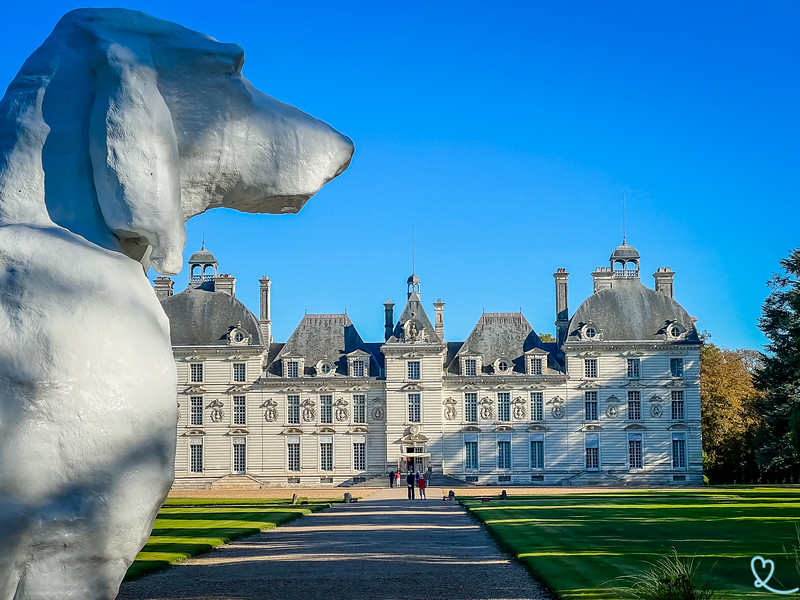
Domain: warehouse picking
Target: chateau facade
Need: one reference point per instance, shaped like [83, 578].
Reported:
[615, 400]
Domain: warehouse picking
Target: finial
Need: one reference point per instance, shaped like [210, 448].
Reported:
[413, 266]
[623, 218]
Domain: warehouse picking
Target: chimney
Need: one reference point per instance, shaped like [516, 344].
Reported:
[225, 283]
[603, 278]
[264, 321]
[438, 306]
[562, 309]
[388, 308]
[163, 287]
[663, 279]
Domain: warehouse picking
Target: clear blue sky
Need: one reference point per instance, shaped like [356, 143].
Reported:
[507, 133]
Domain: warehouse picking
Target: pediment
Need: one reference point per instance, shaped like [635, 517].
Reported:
[536, 352]
[504, 428]
[292, 431]
[635, 427]
[678, 427]
[358, 352]
[537, 428]
[358, 429]
[325, 431]
[591, 428]
[471, 429]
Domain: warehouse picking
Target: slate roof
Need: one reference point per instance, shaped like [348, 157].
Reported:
[201, 317]
[414, 310]
[498, 335]
[630, 311]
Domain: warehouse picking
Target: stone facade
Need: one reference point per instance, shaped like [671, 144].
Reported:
[615, 400]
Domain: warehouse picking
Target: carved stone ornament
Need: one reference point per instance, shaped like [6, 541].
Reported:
[519, 412]
[341, 413]
[309, 414]
[558, 411]
[413, 429]
[656, 410]
[217, 414]
[271, 414]
[486, 412]
[449, 413]
[377, 413]
[612, 411]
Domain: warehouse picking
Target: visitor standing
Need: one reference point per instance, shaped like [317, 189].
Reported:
[391, 478]
[397, 478]
[410, 482]
[430, 475]
[422, 484]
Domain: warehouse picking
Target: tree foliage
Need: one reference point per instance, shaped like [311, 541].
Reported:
[546, 337]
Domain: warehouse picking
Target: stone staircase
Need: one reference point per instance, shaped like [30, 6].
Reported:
[593, 479]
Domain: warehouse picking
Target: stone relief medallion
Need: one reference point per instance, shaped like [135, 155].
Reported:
[449, 413]
[270, 415]
[308, 414]
[341, 414]
[217, 415]
[519, 412]
[486, 412]
[656, 411]
[558, 412]
[377, 413]
[612, 411]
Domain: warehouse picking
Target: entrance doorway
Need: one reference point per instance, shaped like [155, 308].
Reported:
[414, 459]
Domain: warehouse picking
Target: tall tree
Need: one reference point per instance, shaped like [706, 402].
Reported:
[779, 376]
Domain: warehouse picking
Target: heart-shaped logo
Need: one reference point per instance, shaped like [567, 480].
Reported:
[759, 582]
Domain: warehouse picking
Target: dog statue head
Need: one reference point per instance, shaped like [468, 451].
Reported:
[121, 126]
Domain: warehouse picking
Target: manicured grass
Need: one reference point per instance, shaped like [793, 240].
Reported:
[576, 544]
[181, 532]
[176, 501]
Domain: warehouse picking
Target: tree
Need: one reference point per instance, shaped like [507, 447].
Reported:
[546, 337]
[779, 376]
[730, 420]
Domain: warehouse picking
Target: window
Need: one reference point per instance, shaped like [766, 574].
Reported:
[414, 413]
[239, 455]
[470, 366]
[293, 368]
[359, 456]
[503, 365]
[239, 410]
[471, 406]
[504, 451]
[196, 372]
[635, 450]
[676, 367]
[413, 369]
[537, 452]
[359, 408]
[590, 367]
[537, 406]
[679, 451]
[634, 406]
[590, 406]
[536, 366]
[592, 444]
[293, 453]
[504, 406]
[293, 409]
[196, 455]
[471, 452]
[239, 372]
[326, 409]
[590, 332]
[196, 410]
[358, 368]
[633, 367]
[326, 453]
[325, 368]
[677, 405]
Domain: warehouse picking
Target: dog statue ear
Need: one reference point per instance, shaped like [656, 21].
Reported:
[134, 152]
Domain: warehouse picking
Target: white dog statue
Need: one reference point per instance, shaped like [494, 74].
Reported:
[118, 129]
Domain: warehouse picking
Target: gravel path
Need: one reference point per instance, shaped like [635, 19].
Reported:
[384, 547]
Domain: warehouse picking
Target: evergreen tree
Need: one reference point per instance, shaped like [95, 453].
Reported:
[779, 376]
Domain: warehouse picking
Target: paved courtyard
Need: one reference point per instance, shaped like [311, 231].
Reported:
[383, 547]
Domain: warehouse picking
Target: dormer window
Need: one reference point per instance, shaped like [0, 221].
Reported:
[357, 367]
[324, 368]
[502, 366]
[292, 368]
[238, 337]
[591, 332]
[470, 366]
[535, 365]
[675, 330]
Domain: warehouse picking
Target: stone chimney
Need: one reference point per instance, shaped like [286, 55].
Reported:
[603, 278]
[225, 283]
[163, 287]
[663, 279]
[562, 308]
[388, 327]
[265, 321]
[438, 306]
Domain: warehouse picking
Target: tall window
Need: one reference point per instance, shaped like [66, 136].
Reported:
[536, 366]
[677, 405]
[293, 409]
[359, 408]
[196, 372]
[239, 455]
[413, 369]
[471, 406]
[358, 368]
[590, 406]
[326, 454]
[239, 372]
[196, 410]
[679, 451]
[592, 441]
[326, 409]
[635, 450]
[359, 456]
[239, 410]
[293, 453]
[414, 408]
[633, 367]
[537, 406]
[504, 451]
[196, 455]
[590, 367]
[676, 367]
[293, 368]
[634, 406]
[471, 452]
[470, 366]
[537, 452]
[504, 406]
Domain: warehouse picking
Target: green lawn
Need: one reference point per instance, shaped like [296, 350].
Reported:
[577, 543]
[189, 526]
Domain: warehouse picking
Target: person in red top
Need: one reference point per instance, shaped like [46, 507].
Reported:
[422, 484]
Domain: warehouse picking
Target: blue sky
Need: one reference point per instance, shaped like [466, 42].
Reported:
[507, 133]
